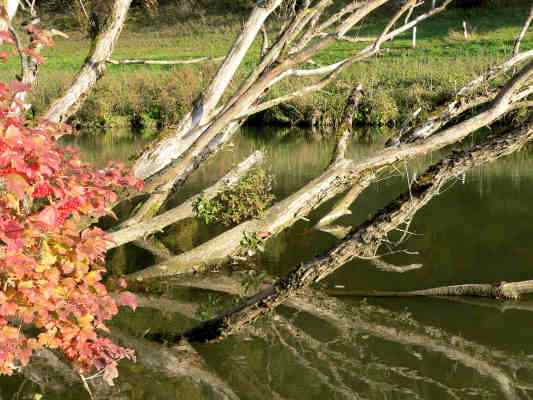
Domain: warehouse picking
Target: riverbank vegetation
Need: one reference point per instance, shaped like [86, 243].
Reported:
[150, 98]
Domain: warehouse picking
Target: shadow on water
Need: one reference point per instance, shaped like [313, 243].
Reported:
[476, 231]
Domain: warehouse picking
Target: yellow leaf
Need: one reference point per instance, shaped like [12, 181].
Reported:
[25, 285]
[12, 202]
[85, 322]
[48, 258]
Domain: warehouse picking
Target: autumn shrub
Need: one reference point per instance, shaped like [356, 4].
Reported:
[52, 260]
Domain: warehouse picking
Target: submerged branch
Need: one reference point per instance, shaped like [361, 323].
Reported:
[502, 290]
[364, 240]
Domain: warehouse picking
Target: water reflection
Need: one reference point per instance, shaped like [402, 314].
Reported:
[477, 231]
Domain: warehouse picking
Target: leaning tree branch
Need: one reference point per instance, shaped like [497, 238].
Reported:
[102, 47]
[159, 156]
[522, 34]
[178, 169]
[186, 209]
[335, 180]
[364, 239]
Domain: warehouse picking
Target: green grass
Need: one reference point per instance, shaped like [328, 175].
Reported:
[396, 82]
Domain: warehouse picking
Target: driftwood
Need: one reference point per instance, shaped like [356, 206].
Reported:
[364, 240]
[502, 290]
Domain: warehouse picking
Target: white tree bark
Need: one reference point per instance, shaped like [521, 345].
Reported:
[10, 7]
[337, 178]
[185, 210]
[277, 65]
[170, 148]
[522, 34]
[94, 67]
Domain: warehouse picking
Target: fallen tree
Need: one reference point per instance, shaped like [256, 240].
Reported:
[168, 164]
[339, 176]
[363, 241]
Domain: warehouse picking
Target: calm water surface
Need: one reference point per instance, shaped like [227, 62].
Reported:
[477, 231]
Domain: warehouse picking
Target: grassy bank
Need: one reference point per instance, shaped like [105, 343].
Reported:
[154, 97]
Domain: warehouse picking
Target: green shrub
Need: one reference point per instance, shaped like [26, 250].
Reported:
[248, 199]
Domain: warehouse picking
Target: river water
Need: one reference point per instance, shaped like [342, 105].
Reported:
[477, 231]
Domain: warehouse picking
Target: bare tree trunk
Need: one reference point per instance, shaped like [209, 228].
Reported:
[522, 34]
[162, 153]
[10, 7]
[336, 179]
[93, 69]
[173, 167]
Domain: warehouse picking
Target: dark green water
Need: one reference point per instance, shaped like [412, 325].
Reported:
[477, 231]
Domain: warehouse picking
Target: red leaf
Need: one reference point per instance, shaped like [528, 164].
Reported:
[127, 299]
[48, 217]
[16, 184]
[6, 37]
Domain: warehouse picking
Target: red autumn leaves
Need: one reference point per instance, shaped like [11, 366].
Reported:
[51, 263]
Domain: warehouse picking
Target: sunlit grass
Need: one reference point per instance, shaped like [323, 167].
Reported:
[397, 81]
